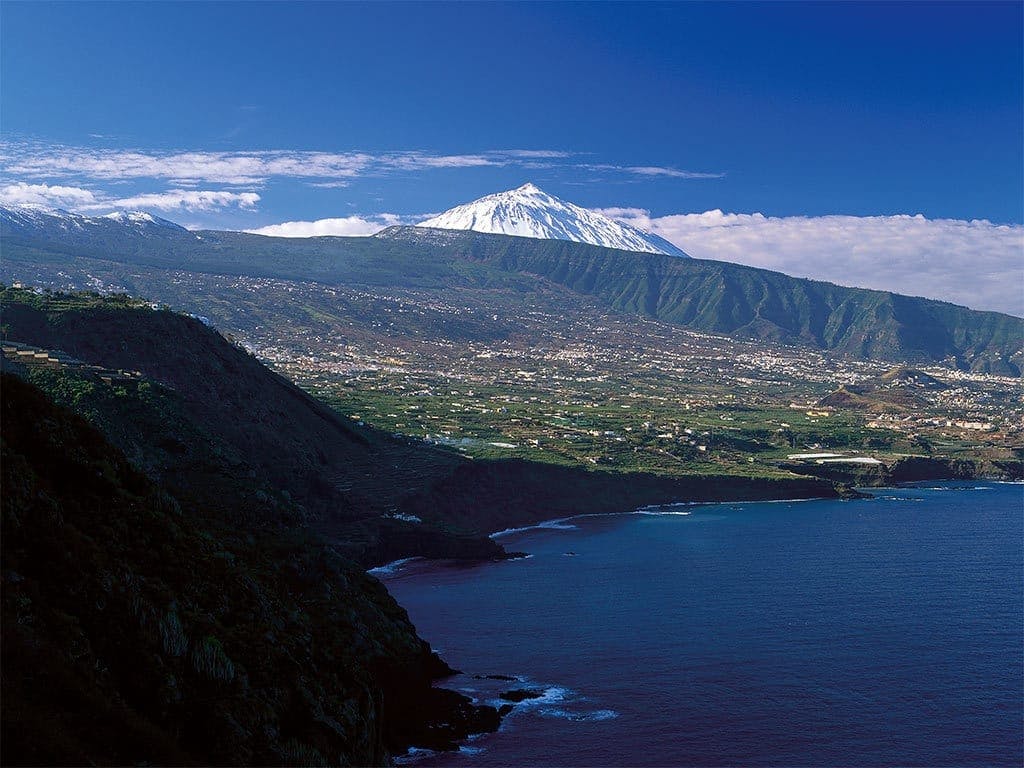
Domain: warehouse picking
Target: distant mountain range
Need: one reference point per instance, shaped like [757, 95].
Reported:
[709, 296]
[530, 212]
[30, 218]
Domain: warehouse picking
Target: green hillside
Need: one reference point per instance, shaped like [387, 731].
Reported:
[202, 416]
[703, 295]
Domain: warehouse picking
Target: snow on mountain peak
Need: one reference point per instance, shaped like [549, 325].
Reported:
[140, 219]
[137, 217]
[34, 216]
[528, 211]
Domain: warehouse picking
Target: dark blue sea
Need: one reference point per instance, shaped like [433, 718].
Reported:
[887, 631]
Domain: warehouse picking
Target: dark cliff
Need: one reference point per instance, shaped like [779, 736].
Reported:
[139, 630]
[503, 494]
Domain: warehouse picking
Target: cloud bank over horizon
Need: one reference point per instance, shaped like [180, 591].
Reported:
[974, 263]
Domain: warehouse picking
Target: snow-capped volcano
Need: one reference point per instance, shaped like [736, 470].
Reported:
[530, 212]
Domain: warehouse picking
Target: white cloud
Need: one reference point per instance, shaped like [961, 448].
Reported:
[36, 160]
[244, 168]
[218, 167]
[85, 200]
[349, 226]
[550, 154]
[675, 173]
[415, 161]
[629, 215]
[21, 193]
[975, 263]
[654, 170]
[183, 200]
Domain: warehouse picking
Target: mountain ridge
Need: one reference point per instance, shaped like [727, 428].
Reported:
[23, 217]
[708, 296]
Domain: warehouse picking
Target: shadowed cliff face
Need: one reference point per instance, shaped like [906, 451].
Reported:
[210, 421]
[258, 418]
[137, 629]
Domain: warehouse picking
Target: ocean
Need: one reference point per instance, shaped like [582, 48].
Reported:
[818, 633]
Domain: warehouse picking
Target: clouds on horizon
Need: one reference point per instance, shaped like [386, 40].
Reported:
[348, 226]
[57, 195]
[188, 200]
[82, 200]
[974, 263]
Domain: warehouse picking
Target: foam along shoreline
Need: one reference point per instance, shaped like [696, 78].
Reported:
[562, 523]
[657, 510]
[392, 567]
[675, 508]
[555, 702]
[557, 524]
[559, 702]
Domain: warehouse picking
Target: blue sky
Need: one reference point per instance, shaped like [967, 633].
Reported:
[244, 115]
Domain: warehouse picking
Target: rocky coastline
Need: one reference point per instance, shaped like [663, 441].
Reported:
[913, 469]
[458, 515]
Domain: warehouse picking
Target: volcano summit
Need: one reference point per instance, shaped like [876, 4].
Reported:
[530, 212]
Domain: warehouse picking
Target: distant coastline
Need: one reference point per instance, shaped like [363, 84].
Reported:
[955, 472]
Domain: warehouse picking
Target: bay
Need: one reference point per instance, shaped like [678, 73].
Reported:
[870, 632]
